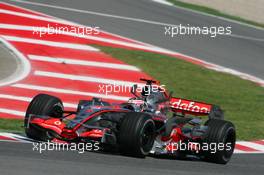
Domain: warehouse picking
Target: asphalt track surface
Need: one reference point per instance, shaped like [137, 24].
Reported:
[9, 63]
[241, 54]
[243, 51]
[21, 159]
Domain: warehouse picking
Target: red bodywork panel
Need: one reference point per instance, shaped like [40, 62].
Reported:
[190, 107]
[58, 126]
[95, 133]
[53, 124]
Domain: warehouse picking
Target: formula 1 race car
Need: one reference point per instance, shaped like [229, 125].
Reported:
[150, 122]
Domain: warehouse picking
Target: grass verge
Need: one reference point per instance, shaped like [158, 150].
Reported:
[11, 125]
[213, 12]
[242, 100]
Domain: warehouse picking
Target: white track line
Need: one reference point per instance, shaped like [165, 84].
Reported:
[23, 68]
[82, 62]
[17, 137]
[13, 112]
[247, 152]
[86, 12]
[89, 37]
[31, 16]
[163, 2]
[252, 145]
[242, 75]
[26, 10]
[14, 97]
[239, 151]
[49, 43]
[73, 23]
[28, 99]
[86, 78]
[66, 91]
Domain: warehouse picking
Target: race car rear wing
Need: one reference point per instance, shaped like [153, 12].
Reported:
[190, 107]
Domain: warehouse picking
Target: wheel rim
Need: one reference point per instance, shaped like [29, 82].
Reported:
[147, 137]
[57, 111]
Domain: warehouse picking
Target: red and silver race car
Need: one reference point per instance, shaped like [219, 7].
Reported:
[150, 122]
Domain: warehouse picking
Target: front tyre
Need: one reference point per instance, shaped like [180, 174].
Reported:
[136, 135]
[42, 104]
[220, 132]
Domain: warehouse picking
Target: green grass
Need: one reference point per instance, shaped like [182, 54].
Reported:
[241, 100]
[214, 12]
[11, 125]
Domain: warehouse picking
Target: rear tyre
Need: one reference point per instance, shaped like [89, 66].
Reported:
[42, 104]
[136, 135]
[220, 132]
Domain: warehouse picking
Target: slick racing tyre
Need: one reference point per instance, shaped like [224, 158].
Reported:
[136, 135]
[42, 104]
[219, 132]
